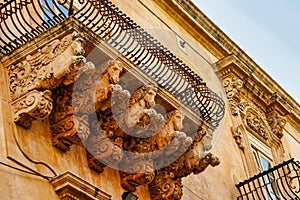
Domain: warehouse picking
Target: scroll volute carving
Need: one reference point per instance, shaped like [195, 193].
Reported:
[167, 182]
[58, 62]
[233, 87]
[66, 128]
[165, 186]
[35, 105]
[190, 157]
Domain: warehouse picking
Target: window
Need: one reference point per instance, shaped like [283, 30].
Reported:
[264, 161]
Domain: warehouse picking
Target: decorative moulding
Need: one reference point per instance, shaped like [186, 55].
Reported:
[71, 187]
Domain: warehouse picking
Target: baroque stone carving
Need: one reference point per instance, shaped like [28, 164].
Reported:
[70, 131]
[167, 182]
[103, 147]
[254, 122]
[93, 93]
[276, 123]
[232, 87]
[139, 106]
[237, 135]
[57, 62]
[142, 172]
[34, 105]
[66, 128]
[165, 186]
[143, 121]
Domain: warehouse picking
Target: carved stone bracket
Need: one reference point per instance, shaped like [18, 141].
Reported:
[59, 62]
[167, 183]
[141, 172]
[71, 130]
[165, 186]
[232, 87]
[34, 105]
[101, 149]
[276, 122]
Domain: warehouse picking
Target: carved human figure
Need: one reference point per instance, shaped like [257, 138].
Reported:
[139, 105]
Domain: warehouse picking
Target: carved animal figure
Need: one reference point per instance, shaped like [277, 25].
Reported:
[139, 105]
[172, 126]
[104, 88]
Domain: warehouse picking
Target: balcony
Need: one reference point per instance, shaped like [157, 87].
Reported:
[45, 77]
[279, 182]
[23, 20]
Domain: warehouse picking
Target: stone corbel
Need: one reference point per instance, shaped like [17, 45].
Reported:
[233, 87]
[165, 186]
[93, 91]
[71, 130]
[32, 106]
[276, 122]
[102, 151]
[60, 62]
[139, 172]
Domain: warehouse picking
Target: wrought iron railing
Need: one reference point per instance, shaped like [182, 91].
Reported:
[23, 20]
[278, 183]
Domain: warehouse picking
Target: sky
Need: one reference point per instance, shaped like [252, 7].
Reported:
[267, 30]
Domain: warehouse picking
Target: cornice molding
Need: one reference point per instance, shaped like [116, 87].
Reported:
[186, 10]
[70, 186]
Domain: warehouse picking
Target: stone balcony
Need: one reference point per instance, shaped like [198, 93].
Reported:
[102, 82]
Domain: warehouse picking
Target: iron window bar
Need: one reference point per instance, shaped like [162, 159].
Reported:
[278, 183]
[23, 20]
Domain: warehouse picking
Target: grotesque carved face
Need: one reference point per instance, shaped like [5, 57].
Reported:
[114, 71]
[78, 46]
[150, 98]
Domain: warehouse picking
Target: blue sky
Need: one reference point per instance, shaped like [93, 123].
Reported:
[267, 30]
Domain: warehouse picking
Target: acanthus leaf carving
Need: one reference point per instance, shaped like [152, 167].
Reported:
[34, 105]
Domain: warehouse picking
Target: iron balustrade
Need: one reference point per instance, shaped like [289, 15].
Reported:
[278, 183]
[23, 20]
